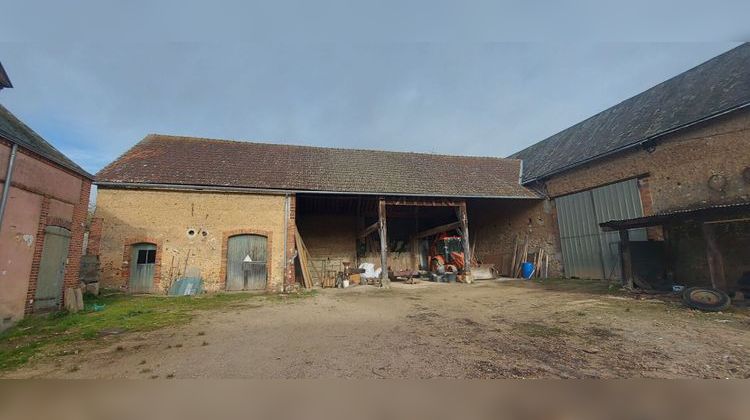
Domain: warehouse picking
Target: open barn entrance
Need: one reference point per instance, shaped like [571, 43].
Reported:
[425, 237]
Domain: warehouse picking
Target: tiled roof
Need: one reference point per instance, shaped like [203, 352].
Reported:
[710, 89]
[14, 130]
[187, 161]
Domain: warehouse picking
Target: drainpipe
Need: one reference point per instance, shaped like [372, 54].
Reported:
[286, 240]
[6, 185]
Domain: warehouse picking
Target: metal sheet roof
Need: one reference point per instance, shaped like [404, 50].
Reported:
[706, 213]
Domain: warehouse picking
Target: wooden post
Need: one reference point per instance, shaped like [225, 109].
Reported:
[626, 259]
[668, 253]
[715, 260]
[385, 281]
[463, 218]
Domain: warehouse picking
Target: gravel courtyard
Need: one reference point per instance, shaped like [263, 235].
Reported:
[490, 329]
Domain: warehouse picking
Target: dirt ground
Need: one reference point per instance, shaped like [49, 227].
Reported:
[491, 329]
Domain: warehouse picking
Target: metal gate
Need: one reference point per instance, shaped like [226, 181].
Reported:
[246, 262]
[142, 262]
[52, 268]
[588, 252]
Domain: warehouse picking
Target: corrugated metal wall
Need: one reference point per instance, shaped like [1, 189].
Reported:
[588, 252]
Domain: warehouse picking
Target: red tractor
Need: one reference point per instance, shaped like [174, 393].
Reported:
[447, 254]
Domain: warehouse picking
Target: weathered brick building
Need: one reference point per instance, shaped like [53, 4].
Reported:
[680, 147]
[42, 221]
[660, 181]
[205, 204]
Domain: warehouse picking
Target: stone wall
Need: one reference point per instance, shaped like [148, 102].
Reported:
[331, 240]
[677, 172]
[679, 167]
[495, 225]
[689, 250]
[167, 219]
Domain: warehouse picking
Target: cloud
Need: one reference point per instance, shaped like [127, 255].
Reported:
[95, 100]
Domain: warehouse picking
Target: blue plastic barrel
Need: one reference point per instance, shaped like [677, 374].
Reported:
[527, 269]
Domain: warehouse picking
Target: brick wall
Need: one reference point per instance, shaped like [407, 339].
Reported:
[164, 218]
[289, 277]
[496, 224]
[675, 174]
[330, 239]
[38, 247]
[75, 248]
[95, 236]
[76, 225]
[678, 168]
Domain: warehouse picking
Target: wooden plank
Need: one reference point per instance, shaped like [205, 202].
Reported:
[438, 229]
[464, 221]
[512, 270]
[626, 259]
[369, 229]
[715, 259]
[523, 257]
[304, 260]
[384, 280]
[423, 202]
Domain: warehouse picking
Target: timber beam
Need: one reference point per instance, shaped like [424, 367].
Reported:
[369, 229]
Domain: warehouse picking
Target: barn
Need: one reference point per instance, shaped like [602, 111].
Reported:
[173, 206]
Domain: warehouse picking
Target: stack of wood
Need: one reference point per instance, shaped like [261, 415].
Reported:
[304, 261]
[521, 255]
[328, 281]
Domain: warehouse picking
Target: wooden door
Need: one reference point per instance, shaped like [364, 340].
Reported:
[49, 284]
[142, 262]
[247, 251]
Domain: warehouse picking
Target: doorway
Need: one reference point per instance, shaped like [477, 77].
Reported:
[247, 262]
[52, 268]
[142, 260]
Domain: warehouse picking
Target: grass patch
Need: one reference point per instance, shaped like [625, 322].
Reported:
[603, 287]
[36, 337]
[533, 329]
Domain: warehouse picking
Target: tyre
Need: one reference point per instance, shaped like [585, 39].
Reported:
[706, 299]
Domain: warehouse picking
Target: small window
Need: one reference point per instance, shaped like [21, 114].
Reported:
[146, 256]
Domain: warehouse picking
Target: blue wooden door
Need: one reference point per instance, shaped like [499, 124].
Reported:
[142, 262]
[52, 268]
[246, 251]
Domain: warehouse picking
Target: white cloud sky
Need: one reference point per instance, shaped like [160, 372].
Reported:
[94, 80]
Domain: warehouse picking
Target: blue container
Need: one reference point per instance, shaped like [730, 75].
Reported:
[527, 269]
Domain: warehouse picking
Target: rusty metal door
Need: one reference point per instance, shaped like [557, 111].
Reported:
[246, 262]
[49, 284]
[142, 262]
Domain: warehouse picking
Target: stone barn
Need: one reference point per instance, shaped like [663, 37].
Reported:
[663, 176]
[176, 205]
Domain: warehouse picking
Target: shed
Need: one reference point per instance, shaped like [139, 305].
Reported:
[723, 230]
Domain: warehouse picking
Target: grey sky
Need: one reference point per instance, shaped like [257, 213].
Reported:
[93, 100]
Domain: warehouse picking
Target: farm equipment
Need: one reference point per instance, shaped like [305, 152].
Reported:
[447, 254]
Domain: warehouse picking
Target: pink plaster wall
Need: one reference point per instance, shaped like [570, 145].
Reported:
[33, 178]
[60, 210]
[42, 178]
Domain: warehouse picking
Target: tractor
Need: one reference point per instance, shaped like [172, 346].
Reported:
[447, 254]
